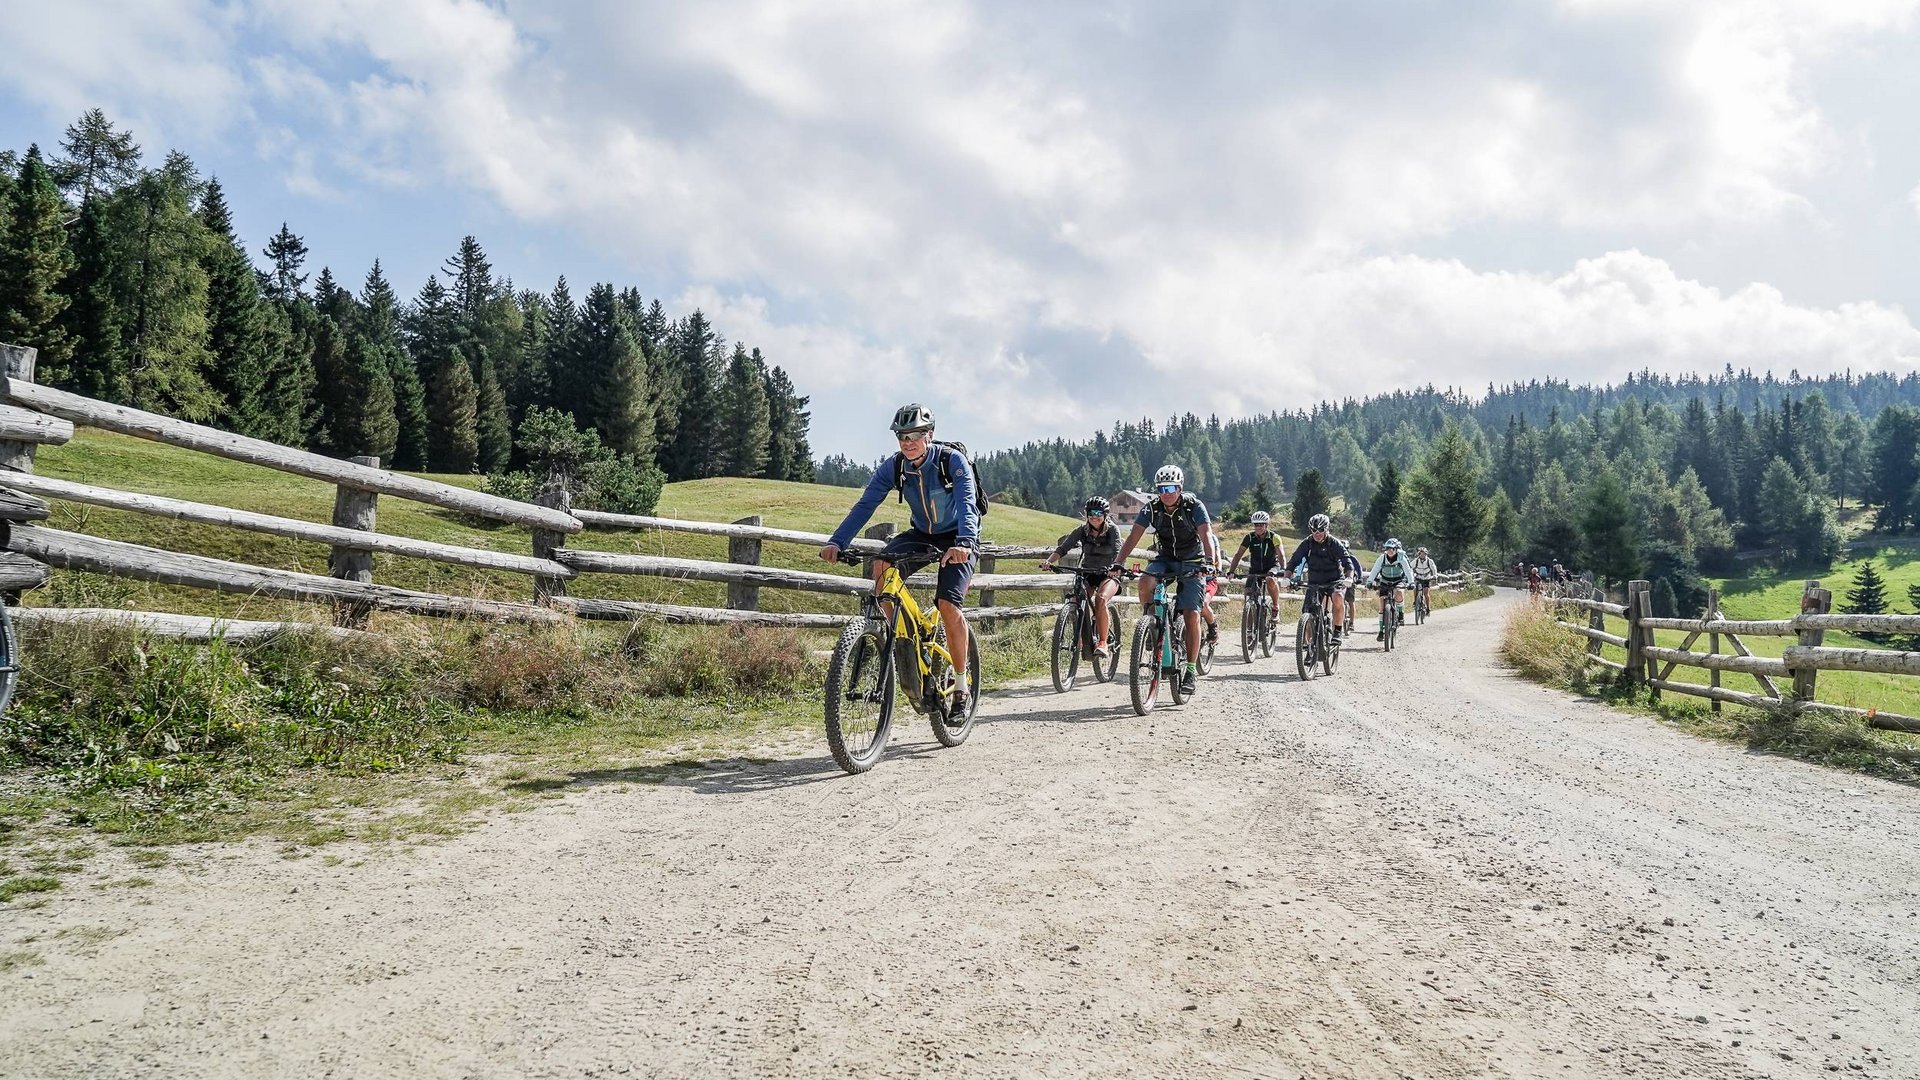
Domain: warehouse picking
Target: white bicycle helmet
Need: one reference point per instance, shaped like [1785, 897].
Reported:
[1170, 474]
[1319, 522]
[1392, 545]
[1261, 517]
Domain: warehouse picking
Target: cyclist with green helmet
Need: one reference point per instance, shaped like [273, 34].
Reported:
[1184, 543]
[1099, 542]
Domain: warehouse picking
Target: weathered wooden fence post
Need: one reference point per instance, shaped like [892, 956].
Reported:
[1713, 641]
[554, 496]
[744, 552]
[1814, 600]
[353, 508]
[1637, 635]
[17, 362]
[985, 565]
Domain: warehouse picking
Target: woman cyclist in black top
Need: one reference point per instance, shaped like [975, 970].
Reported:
[1099, 543]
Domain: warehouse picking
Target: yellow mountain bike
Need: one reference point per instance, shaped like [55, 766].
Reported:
[877, 654]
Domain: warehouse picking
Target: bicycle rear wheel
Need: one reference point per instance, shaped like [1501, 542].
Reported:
[1145, 677]
[953, 730]
[1066, 646]
[860, 700]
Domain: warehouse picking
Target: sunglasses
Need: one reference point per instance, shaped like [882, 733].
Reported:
[1167, 489]
[911, 436]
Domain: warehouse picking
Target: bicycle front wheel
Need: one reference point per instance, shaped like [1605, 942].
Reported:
[1305, 635]
[1146, 664]
[1251, 631]
[1066, 646]
[859, 697]
[1269, 626]
[1329, 652]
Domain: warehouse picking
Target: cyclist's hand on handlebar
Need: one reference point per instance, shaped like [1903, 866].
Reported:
[956, 555]
[830, 553]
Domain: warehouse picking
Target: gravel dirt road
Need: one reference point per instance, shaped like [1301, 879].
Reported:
[1422, 867]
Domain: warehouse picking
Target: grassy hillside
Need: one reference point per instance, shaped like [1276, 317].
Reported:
[131, 464]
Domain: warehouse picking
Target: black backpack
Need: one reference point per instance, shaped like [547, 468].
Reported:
[945, 467]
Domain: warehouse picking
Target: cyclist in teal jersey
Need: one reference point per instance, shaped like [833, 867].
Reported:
[1184, 541]
[1389, 573]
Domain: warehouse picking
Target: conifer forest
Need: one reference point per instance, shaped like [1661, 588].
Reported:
[128, 278]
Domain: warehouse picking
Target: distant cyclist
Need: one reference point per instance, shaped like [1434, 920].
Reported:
[1099, 543]
[1425, 570]
[1327, 563]
[1264, 549]
[944, 518]
[1183, 540]
[1390, 571]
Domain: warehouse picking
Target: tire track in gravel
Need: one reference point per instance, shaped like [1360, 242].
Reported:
[1420, 867]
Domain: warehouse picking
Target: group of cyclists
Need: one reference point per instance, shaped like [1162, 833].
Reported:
[936, 482]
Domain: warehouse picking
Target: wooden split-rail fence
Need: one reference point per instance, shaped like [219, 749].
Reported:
[1788, 683]
[33, 415]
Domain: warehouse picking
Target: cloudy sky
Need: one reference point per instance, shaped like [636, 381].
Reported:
[1040, 218]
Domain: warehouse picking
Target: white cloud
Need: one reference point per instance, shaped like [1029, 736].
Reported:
[1101, 214]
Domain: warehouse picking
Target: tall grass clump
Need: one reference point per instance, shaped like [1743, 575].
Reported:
[1539, 649]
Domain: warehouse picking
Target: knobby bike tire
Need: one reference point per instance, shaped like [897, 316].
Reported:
[1329, 653]
[1066, 646]
[1420, 608]
[1251, 628]
[1205, 663]
[1145, 675]
[861, 666]
[1270, 619]
[953, 730]
[1305, 635]
[1390, 626]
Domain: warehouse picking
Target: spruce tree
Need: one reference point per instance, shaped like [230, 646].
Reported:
[493, 430]
[789, 452]
[34, 263]
[364, 422]
[453, 439]
[409, 410]
[93, 319]
[693, 451]
[559, 354]
[287, 253]
[1869, 593]
[1309, 498]
[1443, 498]
[287, 413]
[166, 295]
[626, 412]
[1386, 498]
[744, 424]
[1607, 530]
[237, 335]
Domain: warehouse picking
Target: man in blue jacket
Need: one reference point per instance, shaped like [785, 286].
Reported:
[936, 481]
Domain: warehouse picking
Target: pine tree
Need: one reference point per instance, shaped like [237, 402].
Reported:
[453, 440]
[1309, 498]
[1892, 468]
[1443, 498]
[287, 411]
[34, 262]
[409, 410]
[493, 430]
[744, 422]
[789, 456]
[559, 351]
[1665, 604]
[1380, 508]
[472, 275]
